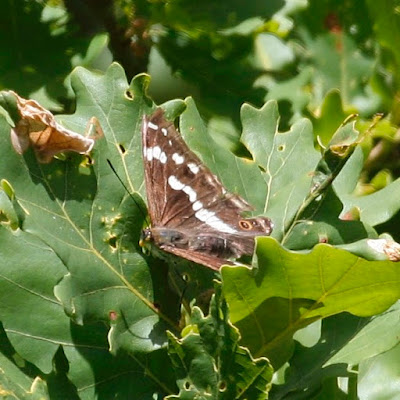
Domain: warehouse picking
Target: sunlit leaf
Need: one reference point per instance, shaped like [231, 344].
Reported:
[299, 288]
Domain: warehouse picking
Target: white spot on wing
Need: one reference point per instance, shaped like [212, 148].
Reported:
[178, 158]
[178, 185]
[191, 193]
[164, 131]
[149, 154]
[169, 142]
[209, 218]
[163, 158]
[197, 205]
[156, 152]
[174, 183]
[202, 215]
[194, 168]
[152, 126]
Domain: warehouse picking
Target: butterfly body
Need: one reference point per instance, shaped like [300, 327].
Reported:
[192, 215]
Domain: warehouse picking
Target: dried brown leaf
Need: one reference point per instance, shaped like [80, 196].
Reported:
[38, 128]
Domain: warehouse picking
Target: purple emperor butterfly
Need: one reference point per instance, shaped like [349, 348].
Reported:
[191, 213]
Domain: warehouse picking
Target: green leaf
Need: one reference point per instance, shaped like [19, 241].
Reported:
[237, 174]
[331, 117]
[379, 335]
[386, 25]
[316, 220]
[345, 342]
[308, 370]
[35, 67]
[36, 325]
[291, 90]
[211, 364]
[78, 239]
[211, 15]
[16, 385]
[271, 53]
[379, 377]
[337, 62]
[299, 288]
[287, 173]
[8, 214]
[29, 271]
[78, 210]
[375, 208]
[95, 372]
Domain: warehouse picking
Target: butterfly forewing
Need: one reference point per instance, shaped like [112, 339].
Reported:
[184, 189]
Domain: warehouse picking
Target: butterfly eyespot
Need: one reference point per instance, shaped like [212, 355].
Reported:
[246, 225]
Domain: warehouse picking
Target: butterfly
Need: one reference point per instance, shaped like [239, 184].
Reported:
[191, 214]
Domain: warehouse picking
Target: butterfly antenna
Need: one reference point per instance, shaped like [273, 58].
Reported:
[144, 214]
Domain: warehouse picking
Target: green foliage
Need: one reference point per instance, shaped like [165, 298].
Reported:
[85, 314]
[300, 288]
[90, 228]
[39, 49]
[209, 361]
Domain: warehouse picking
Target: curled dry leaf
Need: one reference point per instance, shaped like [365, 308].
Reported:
[38, 128]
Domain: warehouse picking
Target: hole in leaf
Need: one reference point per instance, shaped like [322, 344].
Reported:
[157, 305]
[129, 94]
[87, 161]
[112, 241]
[3, 217]
[122, 148]
[186, 385]
[222, 386]
[186, 277]
[281, 147]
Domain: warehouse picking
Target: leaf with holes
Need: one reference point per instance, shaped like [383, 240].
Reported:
[84, 218]
[287, 171]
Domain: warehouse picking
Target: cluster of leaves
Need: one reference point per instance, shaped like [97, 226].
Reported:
[70, 243]
[84, 313]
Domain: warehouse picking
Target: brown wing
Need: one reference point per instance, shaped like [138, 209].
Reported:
[181, 191]
[210, 261]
